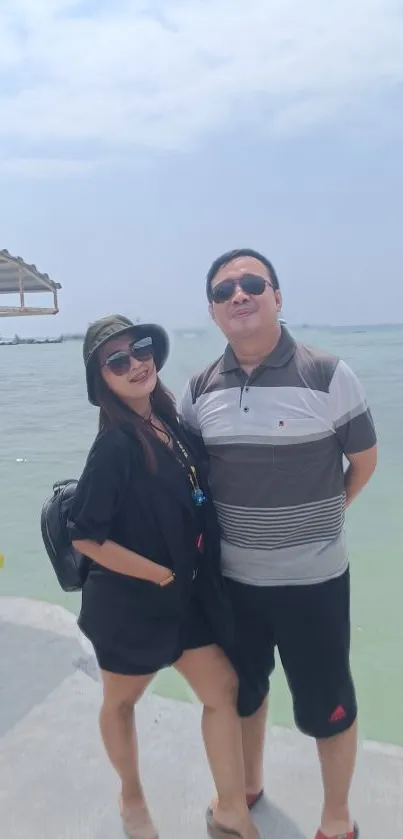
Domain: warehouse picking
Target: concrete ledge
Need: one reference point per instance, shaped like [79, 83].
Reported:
[57, 784]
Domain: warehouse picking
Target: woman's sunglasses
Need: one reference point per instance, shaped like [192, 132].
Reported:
[120, 362]
[249, 283]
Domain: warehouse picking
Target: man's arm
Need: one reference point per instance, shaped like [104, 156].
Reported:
[354, 427]
[361, 468]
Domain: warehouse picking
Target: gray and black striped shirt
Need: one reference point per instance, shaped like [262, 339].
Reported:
[276, 441]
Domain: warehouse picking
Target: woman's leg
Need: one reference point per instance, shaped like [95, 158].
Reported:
[117, 724]
[212, 678]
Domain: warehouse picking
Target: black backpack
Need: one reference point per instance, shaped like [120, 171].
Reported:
[71, 567]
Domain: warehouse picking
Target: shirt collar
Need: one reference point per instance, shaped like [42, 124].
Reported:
[279, 357]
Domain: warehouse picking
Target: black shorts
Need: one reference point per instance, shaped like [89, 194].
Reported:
[158, 643]
[310, 626]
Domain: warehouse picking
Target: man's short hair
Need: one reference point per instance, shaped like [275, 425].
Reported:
[229, 256]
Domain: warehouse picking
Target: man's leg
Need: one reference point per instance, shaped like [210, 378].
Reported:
[337, 757]
[313, 626]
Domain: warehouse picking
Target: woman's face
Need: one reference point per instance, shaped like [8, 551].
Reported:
[127, 367]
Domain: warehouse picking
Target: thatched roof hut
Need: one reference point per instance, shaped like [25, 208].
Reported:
[17, 277]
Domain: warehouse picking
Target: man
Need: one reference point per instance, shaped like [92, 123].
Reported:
[277, 418]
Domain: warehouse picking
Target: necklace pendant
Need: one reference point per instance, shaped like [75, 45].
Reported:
[198, 497]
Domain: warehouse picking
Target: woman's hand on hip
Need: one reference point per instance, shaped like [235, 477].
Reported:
[163, 576]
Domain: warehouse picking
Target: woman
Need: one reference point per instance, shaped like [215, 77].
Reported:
[154, 595]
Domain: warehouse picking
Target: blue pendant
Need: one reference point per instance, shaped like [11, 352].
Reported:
[198, 497]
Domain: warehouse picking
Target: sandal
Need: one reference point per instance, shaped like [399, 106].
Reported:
[217, 831]
[137, 829]
[352, 834]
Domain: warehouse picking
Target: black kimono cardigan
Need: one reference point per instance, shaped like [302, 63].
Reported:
[152, 514]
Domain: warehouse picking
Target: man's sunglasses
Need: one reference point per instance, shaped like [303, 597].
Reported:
[120, 362]
[249, 283]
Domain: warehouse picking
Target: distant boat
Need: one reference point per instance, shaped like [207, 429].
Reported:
[17, 341]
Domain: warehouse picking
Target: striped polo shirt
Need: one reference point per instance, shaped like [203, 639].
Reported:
[276, 441]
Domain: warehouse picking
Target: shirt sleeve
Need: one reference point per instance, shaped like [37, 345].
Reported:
[350, 415]
[100, 489]
[188, 410]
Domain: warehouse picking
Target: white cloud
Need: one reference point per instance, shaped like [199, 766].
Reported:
[163, 75]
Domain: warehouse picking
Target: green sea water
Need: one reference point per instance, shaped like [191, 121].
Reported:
[47, 426]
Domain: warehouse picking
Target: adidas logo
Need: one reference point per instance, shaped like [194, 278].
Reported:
[338, 714]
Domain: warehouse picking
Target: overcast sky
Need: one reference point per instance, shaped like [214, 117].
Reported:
[138, 140]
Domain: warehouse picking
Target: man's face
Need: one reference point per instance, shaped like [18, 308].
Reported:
[244, 313]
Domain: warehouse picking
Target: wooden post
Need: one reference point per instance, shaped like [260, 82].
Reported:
[21, 285]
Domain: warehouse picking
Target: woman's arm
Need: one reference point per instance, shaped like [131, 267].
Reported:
[122, 561]
[98, 496]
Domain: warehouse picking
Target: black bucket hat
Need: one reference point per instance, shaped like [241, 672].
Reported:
[100, 332]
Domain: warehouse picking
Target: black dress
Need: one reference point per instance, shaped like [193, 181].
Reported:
[136, 626]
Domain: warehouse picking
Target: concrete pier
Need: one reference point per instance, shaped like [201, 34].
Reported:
[55, 782]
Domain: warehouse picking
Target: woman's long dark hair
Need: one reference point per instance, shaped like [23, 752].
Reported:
[114, 413]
